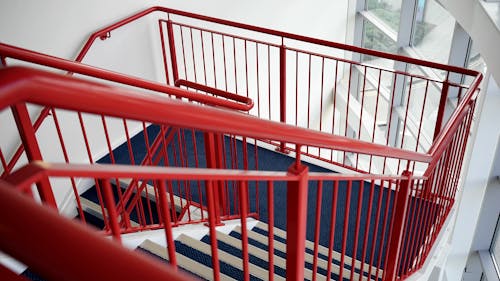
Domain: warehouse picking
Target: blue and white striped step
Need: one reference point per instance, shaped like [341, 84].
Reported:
[260, 231]
[194, 255]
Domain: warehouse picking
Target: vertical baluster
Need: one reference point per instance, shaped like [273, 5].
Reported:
[396, 237]
[32, 149]
[109, 202]
[270, 230]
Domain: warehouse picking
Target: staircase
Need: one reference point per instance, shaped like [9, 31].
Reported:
[193, 247]
[225, 181]
[193, 256]
[193, 251]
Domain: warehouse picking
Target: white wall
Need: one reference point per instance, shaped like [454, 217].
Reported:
[482, 22]
[60, 28]
[478, 175]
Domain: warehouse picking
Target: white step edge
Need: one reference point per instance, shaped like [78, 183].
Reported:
[182, 261]
[95, 210]
[323, 264]
[262, 254]
[179, 203]
[234, 261]
[255, 251]
[321, 249]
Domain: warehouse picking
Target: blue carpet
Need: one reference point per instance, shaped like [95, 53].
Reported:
[186, 149]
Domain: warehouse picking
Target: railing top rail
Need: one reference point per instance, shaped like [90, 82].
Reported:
[233, 101]
[34, 171]
[102, 33]
[18, 84]
[443, 137]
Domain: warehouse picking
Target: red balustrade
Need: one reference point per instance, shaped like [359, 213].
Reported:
[306, 98]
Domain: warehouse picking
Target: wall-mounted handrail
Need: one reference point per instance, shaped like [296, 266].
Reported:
[18, 84]
[444, 136]
[242, 103]
[229, 101]
[102, 33]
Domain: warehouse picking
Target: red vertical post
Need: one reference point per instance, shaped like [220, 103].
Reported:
[442, 106]
[282, 147]
[3, 61]
[211, 160]
[109, 202]
[165, 213]
[219, 160]
[163, 52]
[296, 222]
[171, 45]
[33, 153]
[212, 222]
[243, 190]
[397, 235]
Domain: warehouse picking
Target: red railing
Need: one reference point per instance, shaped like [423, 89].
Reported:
[157, 109]
[394, 218]
[298, 80]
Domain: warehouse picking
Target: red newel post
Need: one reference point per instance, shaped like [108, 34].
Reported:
[296, 222]
[396, 237]
[212, 158]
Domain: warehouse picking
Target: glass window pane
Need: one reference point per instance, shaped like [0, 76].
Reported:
[374, 38]
[475, 62]
[386, 10]
[433, 31]
[495, 247]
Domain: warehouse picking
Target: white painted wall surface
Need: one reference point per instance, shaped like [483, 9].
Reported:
[60, 28]
[475, 183]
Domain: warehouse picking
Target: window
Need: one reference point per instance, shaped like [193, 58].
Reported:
[374, 38]
[495, 247]
[433, 31]
[388, 11]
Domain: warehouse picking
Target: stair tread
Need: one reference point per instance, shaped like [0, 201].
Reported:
[308, 273]
[150, 190]
[94, 209]
[184, 262]
[227, 258]
[310, 245]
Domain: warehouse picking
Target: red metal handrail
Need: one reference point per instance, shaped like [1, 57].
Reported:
[103, 34]
[40, 238]
[229, 101]
[19, 83]
[437, 186]
[237, 103]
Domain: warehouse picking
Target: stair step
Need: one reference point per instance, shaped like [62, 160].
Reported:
[94, 209]
[91, 202]
[257, 257]
[183, 262]
[280, 245]
[150, 192]
[256, 273]
[260, 242]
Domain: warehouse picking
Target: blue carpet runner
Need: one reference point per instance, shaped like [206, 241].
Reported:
[190, 144]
